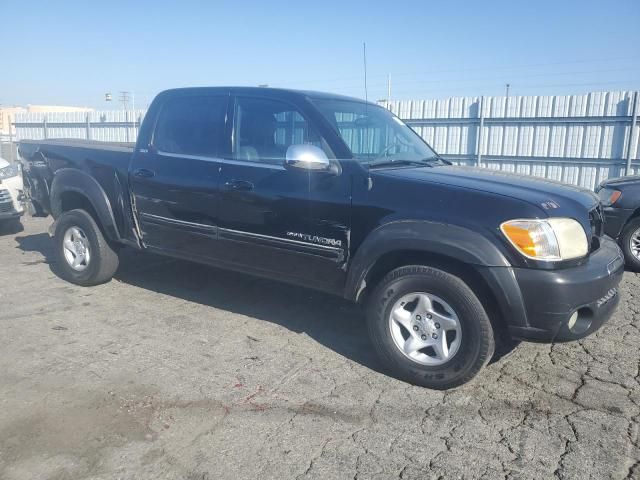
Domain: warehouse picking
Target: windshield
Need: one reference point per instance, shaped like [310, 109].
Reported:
[373, 134]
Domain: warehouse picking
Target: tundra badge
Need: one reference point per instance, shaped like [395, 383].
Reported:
[316, 239]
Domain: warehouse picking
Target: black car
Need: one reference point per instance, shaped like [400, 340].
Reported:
[620, 198]
[336, 194]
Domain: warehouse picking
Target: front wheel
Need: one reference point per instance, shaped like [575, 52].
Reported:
[83, 255]
[429, 327]
[630, 243]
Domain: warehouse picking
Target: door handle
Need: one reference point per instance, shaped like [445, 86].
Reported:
[239, 185]
[144, 173]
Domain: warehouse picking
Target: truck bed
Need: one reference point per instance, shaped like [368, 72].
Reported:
[104, 163]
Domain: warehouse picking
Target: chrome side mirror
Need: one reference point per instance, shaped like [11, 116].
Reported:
[307, 157]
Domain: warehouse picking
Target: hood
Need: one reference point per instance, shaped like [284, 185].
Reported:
[616, 182]
[3, 163]
[546, 194]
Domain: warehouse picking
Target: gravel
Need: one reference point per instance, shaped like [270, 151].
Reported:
[178, 371]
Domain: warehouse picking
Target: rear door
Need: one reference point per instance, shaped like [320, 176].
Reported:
[175, 181]
[277, 221]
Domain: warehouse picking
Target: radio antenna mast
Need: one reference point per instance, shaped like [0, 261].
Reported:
[364, 58]
[366, 98]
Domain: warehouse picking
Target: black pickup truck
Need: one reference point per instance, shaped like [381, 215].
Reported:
[339, 195]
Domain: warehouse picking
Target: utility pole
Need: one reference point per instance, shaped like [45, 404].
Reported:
[124, 99]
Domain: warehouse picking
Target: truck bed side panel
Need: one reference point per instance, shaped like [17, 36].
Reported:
[106, 163]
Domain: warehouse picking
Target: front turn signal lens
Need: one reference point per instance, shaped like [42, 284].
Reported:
[609, 196]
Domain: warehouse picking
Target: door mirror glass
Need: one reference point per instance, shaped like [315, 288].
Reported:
[307, 157]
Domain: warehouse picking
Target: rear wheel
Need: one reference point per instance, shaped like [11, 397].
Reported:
[630, 243]
[83, 255]
[429, 327]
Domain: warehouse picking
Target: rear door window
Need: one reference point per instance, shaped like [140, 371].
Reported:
[191, 125]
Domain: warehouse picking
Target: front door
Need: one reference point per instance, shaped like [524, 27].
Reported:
[277, 221]
[175, 182]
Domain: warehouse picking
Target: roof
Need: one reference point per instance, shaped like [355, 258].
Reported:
[276, 92]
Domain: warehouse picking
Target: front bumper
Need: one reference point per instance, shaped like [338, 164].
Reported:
[11, 193]
[588, 293]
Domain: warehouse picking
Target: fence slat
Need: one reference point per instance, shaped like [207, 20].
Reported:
[577, 139]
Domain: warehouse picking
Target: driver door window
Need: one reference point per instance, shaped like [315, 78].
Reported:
[264, 129]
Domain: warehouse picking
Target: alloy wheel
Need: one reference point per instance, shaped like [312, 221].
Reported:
[425, 328]
[76, 249]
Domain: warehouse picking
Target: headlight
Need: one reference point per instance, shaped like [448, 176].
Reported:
[550, 240]
[609, 196]
[9, 171]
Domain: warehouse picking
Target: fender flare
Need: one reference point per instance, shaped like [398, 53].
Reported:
[73, 180]
[459, 243]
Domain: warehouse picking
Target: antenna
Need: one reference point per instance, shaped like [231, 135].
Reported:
[364, 58]
[388, 90]
[366, 98]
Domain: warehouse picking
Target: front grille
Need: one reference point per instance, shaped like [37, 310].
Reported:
[6, 205]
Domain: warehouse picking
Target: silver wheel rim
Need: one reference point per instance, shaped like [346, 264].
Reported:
[425, 328]
[634, 244]
[76, 249]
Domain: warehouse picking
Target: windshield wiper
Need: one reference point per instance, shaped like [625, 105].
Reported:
[399, 161]
[424, 162]
[438, 160]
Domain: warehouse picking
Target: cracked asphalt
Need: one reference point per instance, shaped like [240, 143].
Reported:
[179, 371]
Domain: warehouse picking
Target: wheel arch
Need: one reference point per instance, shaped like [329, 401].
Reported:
[456, 250]
[72, 189]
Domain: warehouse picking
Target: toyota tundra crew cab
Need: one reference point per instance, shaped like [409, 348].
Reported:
[337, 194]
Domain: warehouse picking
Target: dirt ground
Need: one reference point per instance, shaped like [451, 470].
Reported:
[179, 371]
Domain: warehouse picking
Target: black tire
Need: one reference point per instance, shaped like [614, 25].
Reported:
[477, 344]
[629, 230]
[104, 260]
[13, 225]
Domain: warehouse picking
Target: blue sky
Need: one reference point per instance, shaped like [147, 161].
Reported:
[73, 52]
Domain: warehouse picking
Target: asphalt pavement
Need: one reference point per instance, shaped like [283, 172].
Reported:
[179, 371]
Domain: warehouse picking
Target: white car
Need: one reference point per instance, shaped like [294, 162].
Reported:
[10, 191]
